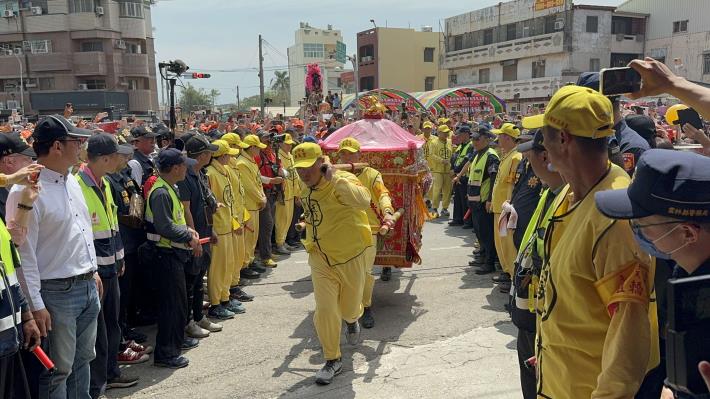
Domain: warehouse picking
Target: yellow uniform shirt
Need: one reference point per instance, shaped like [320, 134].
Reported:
[292, 184]
[440, 155]
[219, 178]
[251, 181]
[505, 180]
[380, 196]
[336, 222]
[594, 333]
[240, 212]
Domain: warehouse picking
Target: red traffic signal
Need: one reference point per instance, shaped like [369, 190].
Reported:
[198, 75]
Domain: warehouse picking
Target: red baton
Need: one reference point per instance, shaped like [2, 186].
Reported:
[44, 359]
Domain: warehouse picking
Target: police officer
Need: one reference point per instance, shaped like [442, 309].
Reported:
[174, 242]
[104, 154]
[464, 153]
[526, 191]
[268, 166]
[668, 205]
[482, 171]
[142, 165]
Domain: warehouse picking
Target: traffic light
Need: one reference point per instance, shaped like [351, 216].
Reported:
[198, 75]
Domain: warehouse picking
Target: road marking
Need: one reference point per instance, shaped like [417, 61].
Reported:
[444, 248]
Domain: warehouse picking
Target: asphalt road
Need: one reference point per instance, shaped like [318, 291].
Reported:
[441, 332]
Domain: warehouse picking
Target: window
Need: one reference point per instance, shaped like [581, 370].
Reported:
[453, 79]
[367, 83]
[9, 5]
[484, 75]
[428, 54]
[37, 46]
[133, 48]
[429, 83]
[511, 32]
[538, 69]
[313, 50]
[680, 26]
[592, 24]
[510, 72]
[92, 46]
[487, 36]
[46, 83]
[26, 4]
[133, 84]
[77, 6]
[10, 85]
[130, 9]
[95, 84]
[594, 64]
[458, 42]
[706, 64]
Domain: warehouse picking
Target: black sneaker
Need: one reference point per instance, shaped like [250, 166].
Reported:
[121, 382]
[367, 319]
[455, 223]
[257, 268]
[501, 278]
[386, 274]
[189, 343]
[249, 274]
[332, 368]
[241, 296]
[177, 362]
[485, 269]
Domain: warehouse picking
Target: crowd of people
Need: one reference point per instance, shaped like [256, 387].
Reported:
[579, 210]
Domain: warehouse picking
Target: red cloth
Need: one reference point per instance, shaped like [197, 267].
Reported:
[265, 159]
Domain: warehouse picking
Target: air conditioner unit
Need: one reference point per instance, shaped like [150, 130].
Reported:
[12, 104]
[30, 85]
[36, 10]
[620, 37]
[99, 11]
[83, 86]
[559, 24]
[8, 14]
[120, 44]
[17, 50]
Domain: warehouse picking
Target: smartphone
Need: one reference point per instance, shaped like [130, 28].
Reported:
[615, 81]
[690, 116]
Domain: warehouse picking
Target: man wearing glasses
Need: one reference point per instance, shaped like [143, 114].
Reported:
[58, 270]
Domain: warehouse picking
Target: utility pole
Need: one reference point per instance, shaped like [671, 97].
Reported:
[261, 79]
[238, 101]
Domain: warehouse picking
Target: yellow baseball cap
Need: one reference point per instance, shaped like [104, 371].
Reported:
[427, 125]
[442, 121]
[288, 139]
[509, 129]
[252, 140]
[443, 129]
[349, 144]
[223, 148]
[306, 154]
[234, 140]
[578, 110]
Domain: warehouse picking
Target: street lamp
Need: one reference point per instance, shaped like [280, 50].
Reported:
[22, 86]
[373, 23]
[353, 60]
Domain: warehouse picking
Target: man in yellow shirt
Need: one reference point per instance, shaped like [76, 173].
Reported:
[594, 332]
[379, 212]
[338, 238]
[291, 189]
[255, 199]
[440, 154]
[427, 138]
[502, 192]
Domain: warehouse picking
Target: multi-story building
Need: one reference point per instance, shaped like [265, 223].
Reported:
[524, 50]
[324, 47]
[678, 34]
[96, 54]
[400, 58]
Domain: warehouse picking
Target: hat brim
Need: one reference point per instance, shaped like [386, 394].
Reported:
[526, 146]
[29, 152]
[349, 149]
[125, 149]
[233, 151]
[305, 163]
[261, 145]
[534, 122]
[617, 204]
[79, 132]
[149, 135]
[212, 148]
[289, 142]
[189, 161]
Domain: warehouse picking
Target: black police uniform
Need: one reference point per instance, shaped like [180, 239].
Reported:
[482, 219]
[464, 153]
[147, 165]
[631, 145]
[526, 194]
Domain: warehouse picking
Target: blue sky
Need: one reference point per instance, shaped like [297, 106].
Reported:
[223, 34]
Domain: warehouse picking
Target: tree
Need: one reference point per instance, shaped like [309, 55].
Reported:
[193, 99]
[281, 85]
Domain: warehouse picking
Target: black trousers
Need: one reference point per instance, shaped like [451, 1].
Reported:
[266, 226]
[194, 285]
[104, 367]
[460, 201]
[137, 296]
[526, 350]
[13, 382]
[172, 302]
[293, 235]
[483, 227]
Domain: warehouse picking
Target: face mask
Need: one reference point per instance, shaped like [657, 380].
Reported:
[649, 246]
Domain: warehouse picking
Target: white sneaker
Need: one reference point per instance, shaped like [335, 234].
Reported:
[194, 331]
[209, 326]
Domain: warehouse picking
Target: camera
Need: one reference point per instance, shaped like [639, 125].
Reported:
[687, 340]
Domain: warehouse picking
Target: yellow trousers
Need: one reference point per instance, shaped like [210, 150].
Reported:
[441, 190]
[370, 254]
[338, 295]
[505, 247]
[284, 215]
[251, 236]
[240, 260]
[221, 269]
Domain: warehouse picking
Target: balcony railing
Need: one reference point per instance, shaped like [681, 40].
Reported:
[520, 48]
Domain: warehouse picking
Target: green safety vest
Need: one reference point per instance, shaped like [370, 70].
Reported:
[461, 154]
[178, 217]
[8, 279]
[481, 187]
[104, 219]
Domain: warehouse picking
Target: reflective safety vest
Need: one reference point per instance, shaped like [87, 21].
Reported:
[481, 187]
[10, 312]
[104, 219]
[178, 217]
[461, 153]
